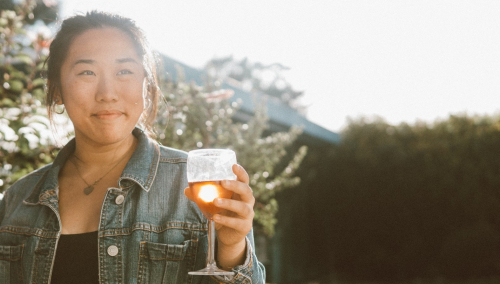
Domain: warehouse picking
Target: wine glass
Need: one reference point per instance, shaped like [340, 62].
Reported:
[206, 168]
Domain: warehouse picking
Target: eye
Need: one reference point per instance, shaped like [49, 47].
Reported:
[87, 72]
[124, 72]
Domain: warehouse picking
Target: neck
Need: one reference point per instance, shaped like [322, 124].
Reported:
[91, 155]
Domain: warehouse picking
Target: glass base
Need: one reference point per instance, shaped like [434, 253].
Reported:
[211, 271]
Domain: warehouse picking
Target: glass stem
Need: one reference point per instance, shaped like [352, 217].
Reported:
[211, 245]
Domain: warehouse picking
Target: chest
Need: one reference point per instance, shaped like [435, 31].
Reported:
[139, 252]
[143, 237]
[80, 212]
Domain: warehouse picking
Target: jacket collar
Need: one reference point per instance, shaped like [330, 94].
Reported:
[143, 165]
[141, 168]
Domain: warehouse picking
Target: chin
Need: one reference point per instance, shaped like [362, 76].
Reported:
[117, 135]
[109, 135]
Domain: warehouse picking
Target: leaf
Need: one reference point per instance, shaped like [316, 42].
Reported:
[24, 58]
[15, 86]
[7, 103]
[38, 82]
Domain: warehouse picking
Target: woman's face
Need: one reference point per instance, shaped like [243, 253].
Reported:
[102, 88]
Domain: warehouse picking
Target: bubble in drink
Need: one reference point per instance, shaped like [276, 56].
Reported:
[204, 194]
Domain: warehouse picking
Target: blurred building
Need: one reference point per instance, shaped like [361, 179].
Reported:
[281, 117]
[295, 254]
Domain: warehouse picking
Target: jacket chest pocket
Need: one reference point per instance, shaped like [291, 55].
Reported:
[166, 263]
[10, 264]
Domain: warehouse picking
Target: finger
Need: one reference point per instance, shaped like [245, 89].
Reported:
[237, 224]
[242, 209]
[240, 188]
[240, 172]
[188, 193]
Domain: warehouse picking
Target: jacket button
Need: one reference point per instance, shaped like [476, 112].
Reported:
[119, 199]
[112, 250]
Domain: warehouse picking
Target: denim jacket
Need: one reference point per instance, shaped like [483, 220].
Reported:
[149, 232]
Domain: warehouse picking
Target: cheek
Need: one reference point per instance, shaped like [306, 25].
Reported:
[133, 93]
[75, 92]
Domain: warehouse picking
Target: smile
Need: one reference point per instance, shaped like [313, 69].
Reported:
[108, 114]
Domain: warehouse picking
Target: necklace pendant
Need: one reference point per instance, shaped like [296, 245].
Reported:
[88, 190]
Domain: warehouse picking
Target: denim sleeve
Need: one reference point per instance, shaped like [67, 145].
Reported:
[3, 205]
[251, 271]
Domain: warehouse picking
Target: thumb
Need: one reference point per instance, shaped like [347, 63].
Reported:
[188, 194]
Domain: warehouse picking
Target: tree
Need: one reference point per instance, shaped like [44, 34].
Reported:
[256, 78]
[26, 141]
[201, 117]
[416, 201]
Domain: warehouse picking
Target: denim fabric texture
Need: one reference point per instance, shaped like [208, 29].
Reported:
[156, 235]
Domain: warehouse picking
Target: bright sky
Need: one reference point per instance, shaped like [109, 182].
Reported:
[401, 60]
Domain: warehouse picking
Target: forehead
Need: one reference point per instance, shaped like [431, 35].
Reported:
[102, 43]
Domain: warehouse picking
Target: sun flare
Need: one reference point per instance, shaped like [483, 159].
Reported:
[208, 193]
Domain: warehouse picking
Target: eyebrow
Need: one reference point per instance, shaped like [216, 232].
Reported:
[84, 61]
[128, 59]
[90, 61]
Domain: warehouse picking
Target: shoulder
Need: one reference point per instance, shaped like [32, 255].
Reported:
[23, 187]
[31, 178]
[171, 155]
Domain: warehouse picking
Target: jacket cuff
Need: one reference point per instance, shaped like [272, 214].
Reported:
[242, 273]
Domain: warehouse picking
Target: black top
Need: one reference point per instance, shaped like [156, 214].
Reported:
[76, 259]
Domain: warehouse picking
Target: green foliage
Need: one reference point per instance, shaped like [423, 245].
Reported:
[417, 200]
[26, 141]
[199, 117]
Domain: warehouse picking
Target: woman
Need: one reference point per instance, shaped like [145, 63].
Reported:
[111, 208]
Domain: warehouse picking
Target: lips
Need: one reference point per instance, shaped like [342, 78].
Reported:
[108, 114]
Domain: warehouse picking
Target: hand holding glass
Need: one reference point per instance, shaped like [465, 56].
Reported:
[206, 168]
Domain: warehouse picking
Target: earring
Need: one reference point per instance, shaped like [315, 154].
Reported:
[61, 112]
[56, 100]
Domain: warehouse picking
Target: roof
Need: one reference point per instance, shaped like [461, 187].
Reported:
[281, 116]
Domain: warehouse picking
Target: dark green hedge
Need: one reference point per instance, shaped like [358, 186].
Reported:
[413, 201]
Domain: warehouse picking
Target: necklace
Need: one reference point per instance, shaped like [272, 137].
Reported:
[90, 187]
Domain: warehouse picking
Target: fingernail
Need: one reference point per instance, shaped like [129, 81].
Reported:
[225, 183]
[216, 218]
[217, 201]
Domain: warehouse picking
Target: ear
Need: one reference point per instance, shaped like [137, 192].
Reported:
[58, 100]
[57, 94]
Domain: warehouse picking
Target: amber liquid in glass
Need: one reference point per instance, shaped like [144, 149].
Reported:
[205, 192]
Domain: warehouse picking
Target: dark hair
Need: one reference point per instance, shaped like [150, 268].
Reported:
[77, 25]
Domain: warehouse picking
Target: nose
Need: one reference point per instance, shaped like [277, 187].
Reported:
[106, 91]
